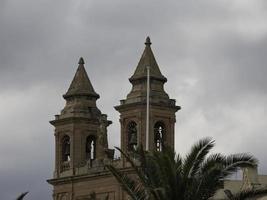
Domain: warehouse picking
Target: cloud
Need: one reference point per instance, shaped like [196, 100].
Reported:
[212, 52]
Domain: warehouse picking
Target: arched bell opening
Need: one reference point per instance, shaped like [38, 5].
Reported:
[159, 135]
[132, 136]
[66, 148]
[90, 147]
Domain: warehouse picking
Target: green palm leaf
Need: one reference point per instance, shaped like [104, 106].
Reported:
[134, 189]
[196, 156]
[234, 162]
[246, 194]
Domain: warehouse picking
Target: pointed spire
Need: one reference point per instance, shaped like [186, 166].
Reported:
[146, 60]
[81, 84]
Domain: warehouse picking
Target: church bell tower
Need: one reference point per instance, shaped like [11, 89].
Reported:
[80, 129]
[133, 109]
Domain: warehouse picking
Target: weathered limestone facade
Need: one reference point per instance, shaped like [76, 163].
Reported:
[81, 144]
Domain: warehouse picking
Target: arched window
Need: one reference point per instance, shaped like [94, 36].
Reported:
[90, 147]
[132, 136]
[66, 148]
[159, 135]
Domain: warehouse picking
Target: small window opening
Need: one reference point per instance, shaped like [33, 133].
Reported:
[159, 134]
[132, 136]
[66, 148]
[90, 148]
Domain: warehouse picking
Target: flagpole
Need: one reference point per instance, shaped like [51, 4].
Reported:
[147, 108]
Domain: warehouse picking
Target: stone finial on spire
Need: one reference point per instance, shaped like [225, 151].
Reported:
[148, 42]
[81, 61]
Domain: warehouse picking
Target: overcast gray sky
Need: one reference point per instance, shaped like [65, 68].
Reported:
[213, 52]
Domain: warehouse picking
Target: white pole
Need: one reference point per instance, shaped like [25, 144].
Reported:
[147, 108]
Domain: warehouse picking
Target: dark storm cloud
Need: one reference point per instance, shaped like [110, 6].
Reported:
[30, 35]
[212, 52]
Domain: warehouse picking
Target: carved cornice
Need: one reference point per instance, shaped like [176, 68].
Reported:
[141, 105]
[78, 178]
[69, 120]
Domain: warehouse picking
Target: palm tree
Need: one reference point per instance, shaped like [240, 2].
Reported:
[165, 175]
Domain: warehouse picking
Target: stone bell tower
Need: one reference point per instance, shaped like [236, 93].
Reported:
[81, 147]
[162, 109]
[79, 138]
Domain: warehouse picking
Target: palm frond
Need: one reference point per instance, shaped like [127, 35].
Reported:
[209, 177]
[158, 194]
[229, 194]
[137, 169]
[206, 185]
[20, 197]
[236, 161]
[246, 194]
[196, 156]
[216, 160]
[167, 173]
[131, 186]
